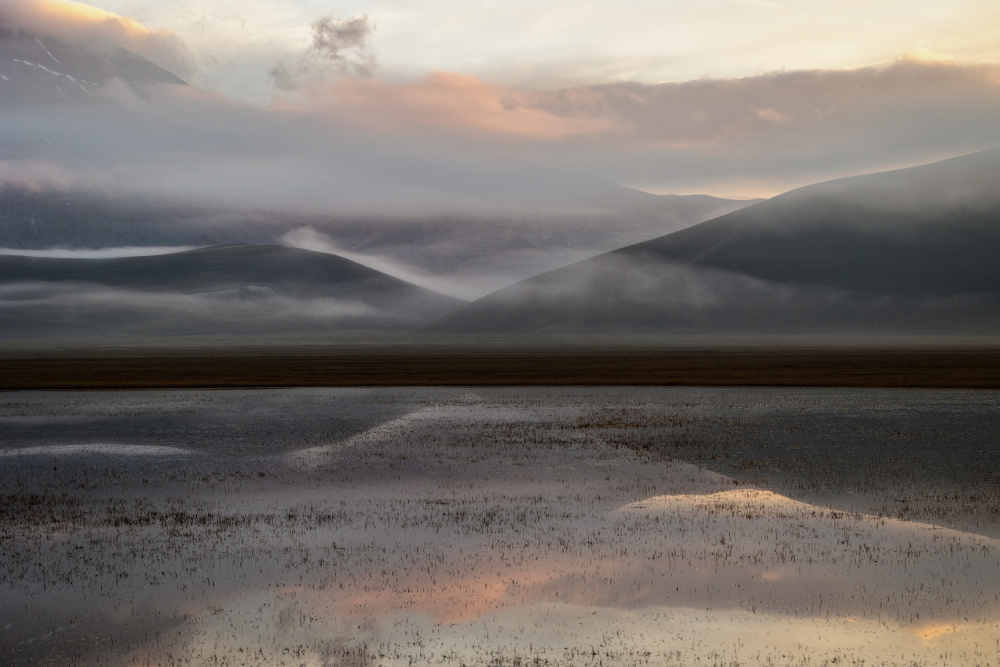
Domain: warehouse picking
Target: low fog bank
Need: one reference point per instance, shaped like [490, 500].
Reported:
[929, 230]
[911, 251]
[464, 256]
[616, 295]
[237, 291]
[47, 311]
[96, 253]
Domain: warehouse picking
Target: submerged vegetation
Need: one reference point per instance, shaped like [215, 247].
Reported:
[500, 527]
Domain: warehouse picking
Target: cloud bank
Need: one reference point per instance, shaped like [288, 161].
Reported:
[786, 129]
[339, 140]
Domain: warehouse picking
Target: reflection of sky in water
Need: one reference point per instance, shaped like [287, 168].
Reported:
[475, 527]
[94, 449]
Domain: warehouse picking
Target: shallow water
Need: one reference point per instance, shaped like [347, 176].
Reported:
[500, 526]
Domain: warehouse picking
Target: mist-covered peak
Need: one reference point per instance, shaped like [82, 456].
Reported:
[931, 229]
[906, 251]
[36, 68]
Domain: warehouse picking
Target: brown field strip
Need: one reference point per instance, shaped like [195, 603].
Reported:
[918, 368]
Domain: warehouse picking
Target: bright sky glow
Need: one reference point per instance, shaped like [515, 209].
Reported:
[569, 42]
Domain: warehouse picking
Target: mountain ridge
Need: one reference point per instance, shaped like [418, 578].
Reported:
[911, 249]
[38, 68]
[236, 290]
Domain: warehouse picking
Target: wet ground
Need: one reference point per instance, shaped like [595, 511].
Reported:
[500, 526]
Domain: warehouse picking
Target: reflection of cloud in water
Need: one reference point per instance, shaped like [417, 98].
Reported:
[495, 530]
[99, 449]
[763, 552]
[328, 455]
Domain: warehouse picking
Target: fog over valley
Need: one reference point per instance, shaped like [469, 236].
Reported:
[559, 333]
[905, 251]
[463, 186]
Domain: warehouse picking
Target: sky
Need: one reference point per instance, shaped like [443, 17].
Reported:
[432, 99]
[560, 43]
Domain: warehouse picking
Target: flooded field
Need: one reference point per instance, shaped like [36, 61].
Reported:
[503, 526]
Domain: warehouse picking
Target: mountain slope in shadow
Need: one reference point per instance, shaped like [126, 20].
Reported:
[479, 253]
[230, 290]
[452, 222]
[41, 69]
[912, 250]
[933, 229]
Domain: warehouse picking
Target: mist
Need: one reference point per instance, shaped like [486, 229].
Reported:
[622, 296]
[96, 253]
[465, 186]
[906, 251]
[467, 281]
[239, 290]
[80, 311]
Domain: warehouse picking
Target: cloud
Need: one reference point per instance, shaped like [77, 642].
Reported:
[344, 41]
[447, 103]
[749, 136]
[706, 113]
[340, 47]
[188, 146]
[775, 131]
[450, 144]
[76, 22]
[37, 173]
[859, 105]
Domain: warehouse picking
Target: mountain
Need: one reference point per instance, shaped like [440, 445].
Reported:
[464, 255]
[230, 290]
[172, 166]
[470, 256]
[933, 229]
[38, 69]
[911, 250]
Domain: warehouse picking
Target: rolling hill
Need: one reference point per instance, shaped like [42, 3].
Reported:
[230, 290]
[471, 254]
[82, 117]
[911, 250]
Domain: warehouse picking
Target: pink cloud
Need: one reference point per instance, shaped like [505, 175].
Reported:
[444, 102]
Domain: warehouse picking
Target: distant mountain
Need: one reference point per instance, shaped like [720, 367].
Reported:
[933, 229]
[37, 69]
[230, 290]
[463, 226]
[908, 250]
[474, 253]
